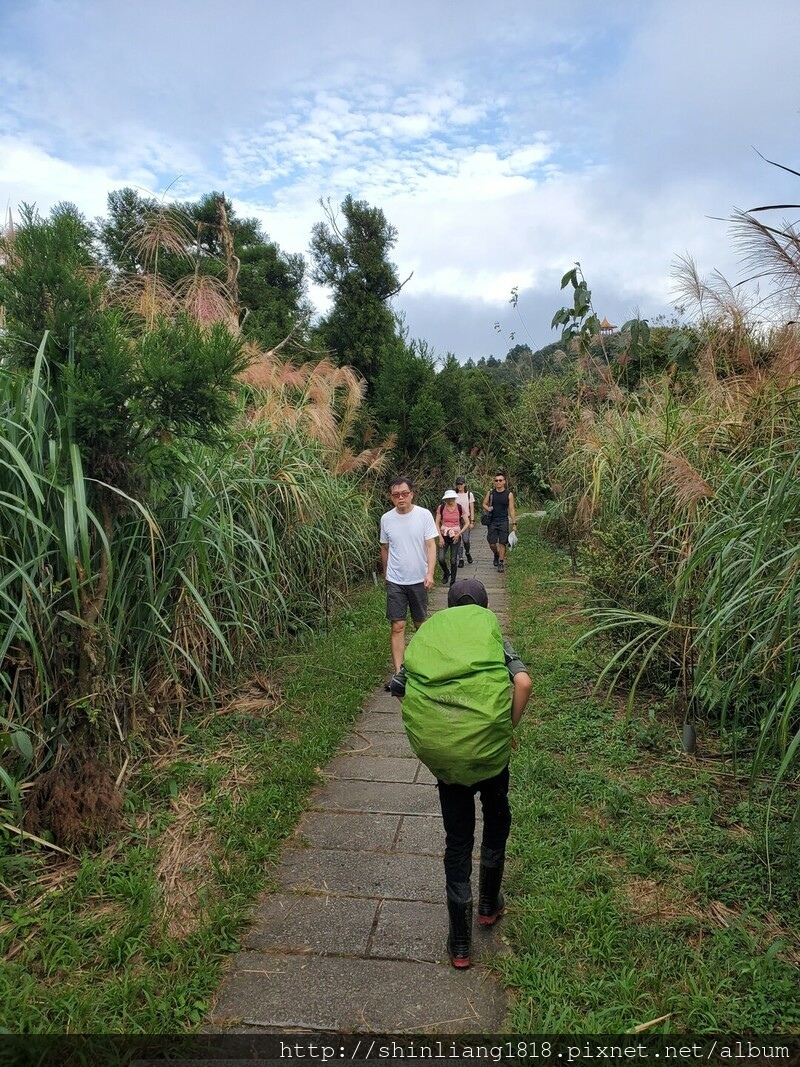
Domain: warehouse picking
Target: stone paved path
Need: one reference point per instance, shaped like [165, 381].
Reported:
[354, 941]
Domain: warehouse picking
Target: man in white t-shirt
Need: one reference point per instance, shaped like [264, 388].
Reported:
[408, 554]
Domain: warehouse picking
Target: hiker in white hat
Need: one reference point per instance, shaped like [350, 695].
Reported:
[451, 522]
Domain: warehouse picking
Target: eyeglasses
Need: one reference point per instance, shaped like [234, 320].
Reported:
[399, 496]
[499, 479]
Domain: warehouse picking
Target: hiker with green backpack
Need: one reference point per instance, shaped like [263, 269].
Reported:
[464, 689]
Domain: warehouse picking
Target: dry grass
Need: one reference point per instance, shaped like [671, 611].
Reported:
[185, 871]
[77, 801]
[687, 484]
[656, 901]
[319, 399]
[207, 300]
[259, 697]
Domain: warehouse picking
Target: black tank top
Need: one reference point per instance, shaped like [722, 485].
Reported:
[499, 502]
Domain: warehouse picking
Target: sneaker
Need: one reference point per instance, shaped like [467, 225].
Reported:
[461, 563]
[469, 558]
[501, 568]
[495, 562]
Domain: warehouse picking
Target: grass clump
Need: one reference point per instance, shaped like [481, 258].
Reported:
[642, 895]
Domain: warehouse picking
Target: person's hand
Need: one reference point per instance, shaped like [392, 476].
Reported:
[456, 535]
[429, 581]
[441, 541]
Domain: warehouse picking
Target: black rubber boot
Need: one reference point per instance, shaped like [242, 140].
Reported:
[491, 903]
[459, 909]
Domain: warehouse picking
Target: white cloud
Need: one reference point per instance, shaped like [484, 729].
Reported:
[29, 174]
[504, 144]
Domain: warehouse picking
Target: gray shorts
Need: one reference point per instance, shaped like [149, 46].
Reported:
[498, 531]
[403, 598]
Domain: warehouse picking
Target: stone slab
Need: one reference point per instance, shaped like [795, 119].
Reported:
[388, 797]
[377, 743]
[335, 994]
[361, 831]
[375, 875]
[373, 768]
[379, 721]
[382, 703]
[424, 776]
[409, 929]
[421, 834]
[319, 924]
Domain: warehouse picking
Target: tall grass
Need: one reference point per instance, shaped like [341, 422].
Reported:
[110, 617]
[746, 566]
[690, 529]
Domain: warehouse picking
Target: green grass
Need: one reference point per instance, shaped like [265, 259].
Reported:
[638, 876]
[133, 940]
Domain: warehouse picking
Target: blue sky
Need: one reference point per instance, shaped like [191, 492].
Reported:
[504, 142]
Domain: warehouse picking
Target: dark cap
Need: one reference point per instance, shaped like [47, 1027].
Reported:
[461, 480]
[467, 591]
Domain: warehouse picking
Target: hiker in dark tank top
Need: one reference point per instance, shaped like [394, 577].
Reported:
[500, 502]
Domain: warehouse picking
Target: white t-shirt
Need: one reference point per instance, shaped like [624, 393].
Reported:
[406, 535]
[465, 499]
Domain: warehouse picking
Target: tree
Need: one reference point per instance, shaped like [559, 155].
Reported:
[470, 401]
[123, 390]
[406, 404]
[351, 257]
[272, 290]
[144, 236]
[50, 282]
[204, 240]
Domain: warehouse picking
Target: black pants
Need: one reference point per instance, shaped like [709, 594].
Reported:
[458, 815]
[463, 544]
[451, 546]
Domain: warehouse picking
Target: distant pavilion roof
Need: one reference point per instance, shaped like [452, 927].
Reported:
[606, 325]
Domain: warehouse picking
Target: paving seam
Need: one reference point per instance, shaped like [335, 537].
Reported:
[375, 921]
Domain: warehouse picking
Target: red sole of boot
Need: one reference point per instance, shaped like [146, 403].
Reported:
[461, 964]
[489, 920]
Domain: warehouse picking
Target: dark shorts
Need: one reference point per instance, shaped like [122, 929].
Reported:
[498, 531]
[403, 598]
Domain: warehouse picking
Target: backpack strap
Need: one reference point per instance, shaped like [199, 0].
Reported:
[460, 511]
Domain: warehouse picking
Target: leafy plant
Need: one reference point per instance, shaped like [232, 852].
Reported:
[579, 322]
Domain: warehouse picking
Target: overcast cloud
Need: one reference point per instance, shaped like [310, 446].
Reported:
[503, 142]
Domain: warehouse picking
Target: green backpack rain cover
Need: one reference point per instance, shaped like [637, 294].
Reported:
[457, 706]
